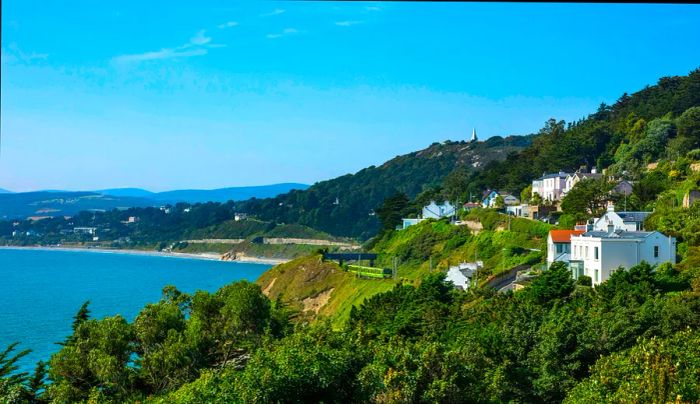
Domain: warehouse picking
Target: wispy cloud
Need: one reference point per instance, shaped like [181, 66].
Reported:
[160, 55]
[198, 45]
[285, 32]
[373, 8]
[200, 38]
[227, 24]
[347, 23]
[15, 54]
[276, 11]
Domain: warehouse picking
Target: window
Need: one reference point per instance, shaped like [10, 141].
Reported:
[559, 248]
[586, 251]
[656, 251]
[597, 276]
[595, 252]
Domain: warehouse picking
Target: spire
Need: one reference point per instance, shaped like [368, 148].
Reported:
[474, 138]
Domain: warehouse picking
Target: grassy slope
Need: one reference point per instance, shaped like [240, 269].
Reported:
[307, 277]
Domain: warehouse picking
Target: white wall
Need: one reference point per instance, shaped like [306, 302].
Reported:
[616, 252]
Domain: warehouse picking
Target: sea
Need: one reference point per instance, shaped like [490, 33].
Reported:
[41, 290]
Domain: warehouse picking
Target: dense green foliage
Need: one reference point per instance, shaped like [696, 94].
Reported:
[550, 342]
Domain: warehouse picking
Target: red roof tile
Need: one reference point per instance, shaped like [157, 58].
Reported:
[564, 236]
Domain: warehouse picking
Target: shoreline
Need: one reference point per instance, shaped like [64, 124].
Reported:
[199, 256]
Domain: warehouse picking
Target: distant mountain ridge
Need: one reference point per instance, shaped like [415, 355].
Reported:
[57, 203]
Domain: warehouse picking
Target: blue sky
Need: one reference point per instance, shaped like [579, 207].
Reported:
[166, 95]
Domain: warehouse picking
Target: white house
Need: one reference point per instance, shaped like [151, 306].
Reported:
[520, 210]
[461, 275]
[410, 222]
[435, 211]
[509, 199]
[550, 186]
[611, 220]
[559, 245]
[583, 174]
[431, 211]
[598, 254]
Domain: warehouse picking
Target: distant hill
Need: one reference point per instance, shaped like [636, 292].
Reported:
[344, 206]
[130, 192]
[4, 191]
[226, 194]
[61, 203]
[206, 195]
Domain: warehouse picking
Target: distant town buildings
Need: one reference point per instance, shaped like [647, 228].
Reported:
[85, 230]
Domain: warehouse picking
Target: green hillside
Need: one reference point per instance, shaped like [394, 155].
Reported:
[358, 195]
[428, 247]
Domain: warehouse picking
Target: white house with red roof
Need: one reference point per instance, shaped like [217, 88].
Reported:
[559, 245]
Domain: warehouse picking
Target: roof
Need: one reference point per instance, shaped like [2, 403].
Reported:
[555, 175]
[564, 236]
[633, 216]
[618, 234]
[589, 175]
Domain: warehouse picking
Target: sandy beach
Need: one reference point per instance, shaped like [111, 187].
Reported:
[201, 256]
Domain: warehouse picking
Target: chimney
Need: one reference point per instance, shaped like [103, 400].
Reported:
[611, 207]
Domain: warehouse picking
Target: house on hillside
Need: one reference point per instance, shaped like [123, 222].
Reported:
[509, 199]
[611, 220]
[580, 175]
[431, 211]
[463, 274]
[471, 205]
[407, 222]
[598, 254]
[623, 187]
[489, 199]
[519, 210]
[559, 245]
[550, 186]
[435, 211]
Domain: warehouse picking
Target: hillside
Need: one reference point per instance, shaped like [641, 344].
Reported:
[623, 137]
[345, 206]
[429, 247]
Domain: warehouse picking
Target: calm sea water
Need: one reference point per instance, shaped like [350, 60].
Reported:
[40, 290]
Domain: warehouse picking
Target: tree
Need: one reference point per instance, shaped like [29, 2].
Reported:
[11, 382]
[526, 193]
[392, 210]
[587, 197]
[500, 202]
[536, 199]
